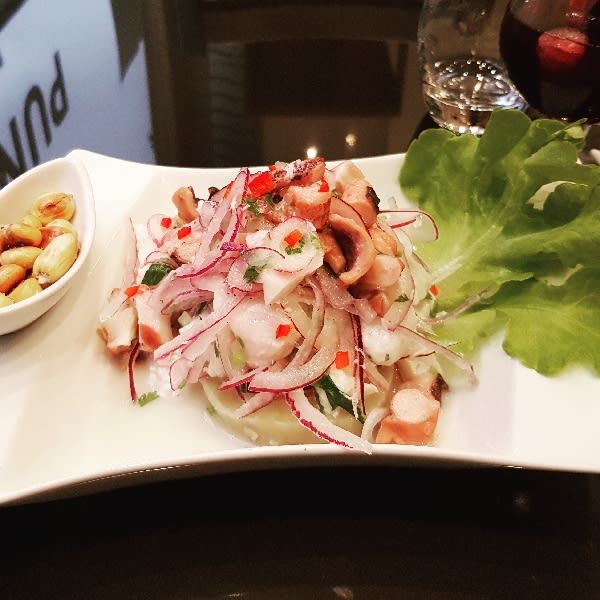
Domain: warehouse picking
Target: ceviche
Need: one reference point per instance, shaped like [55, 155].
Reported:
[293, 297]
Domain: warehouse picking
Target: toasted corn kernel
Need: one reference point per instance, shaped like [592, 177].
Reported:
[11, 276]
[19, 234]
[55, 205]
[5, 300]
[31, 219]
[54, 229]
[63, 224]
[3, 237]
[20, 255]
[27, 288]
[55, 259]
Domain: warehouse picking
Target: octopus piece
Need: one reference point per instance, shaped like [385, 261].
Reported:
[357, 245]
[256, 326]
[185, 250]
[415, 408]
[120, 330]
[379, 285]
[332, 252]
[300, 172]
[154, 328]
[385, 242]
[186, 203]
[413, 418]
[380, 302]
[359, 195]
[383, 273]
[345, 173]
[308, 203]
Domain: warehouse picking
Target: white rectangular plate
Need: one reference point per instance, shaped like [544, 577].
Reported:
[67, 424]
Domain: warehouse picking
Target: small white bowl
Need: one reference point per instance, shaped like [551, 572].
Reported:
[67, 175]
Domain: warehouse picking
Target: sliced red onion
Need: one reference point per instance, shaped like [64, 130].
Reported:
[224, 341]
[417, 224]
[301, 261]
[192, 332]
[171, 292]
[240, 379]
[317, 320]
[294, 311]
[315, 421]
[358, 397]
[426, 346]
[214, 322]
[343, 209]
[131, 257]
[294, 378]
[405, 241]
[339, 297]
[135, 350]
[398, 311]
[236, 279]
[233, 247]
[212, 258]
[179, 372]
[228, 210]
[155, 230]
[375, 416]
[113, 304]
[254, 403]
[159, 256]
[374, 376]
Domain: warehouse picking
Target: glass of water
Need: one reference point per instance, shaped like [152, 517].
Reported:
[462, 72]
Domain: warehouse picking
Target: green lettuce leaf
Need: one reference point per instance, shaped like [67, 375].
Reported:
[519, 226]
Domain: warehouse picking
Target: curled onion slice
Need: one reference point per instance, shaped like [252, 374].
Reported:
[417, 224]
[254, 403]
[296, 377]
[427, 346]
[315, 421]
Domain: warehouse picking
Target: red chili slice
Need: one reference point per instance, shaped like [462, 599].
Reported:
[293, 237]
[184, 232]
[132, 291]
[261, 184]
[342, 359]
[283, 329]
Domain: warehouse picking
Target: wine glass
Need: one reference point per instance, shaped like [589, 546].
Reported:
[551, 49]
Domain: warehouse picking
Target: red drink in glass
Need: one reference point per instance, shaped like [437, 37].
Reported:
[551, 49]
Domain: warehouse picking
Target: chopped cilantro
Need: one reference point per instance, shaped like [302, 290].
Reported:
[315, 241]
[296, 248]
[402, 298]
[252, 272]
[155, 273]
[268, 198]
[336, 397]
[201, 308]
[147, 397]
[252, 206]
